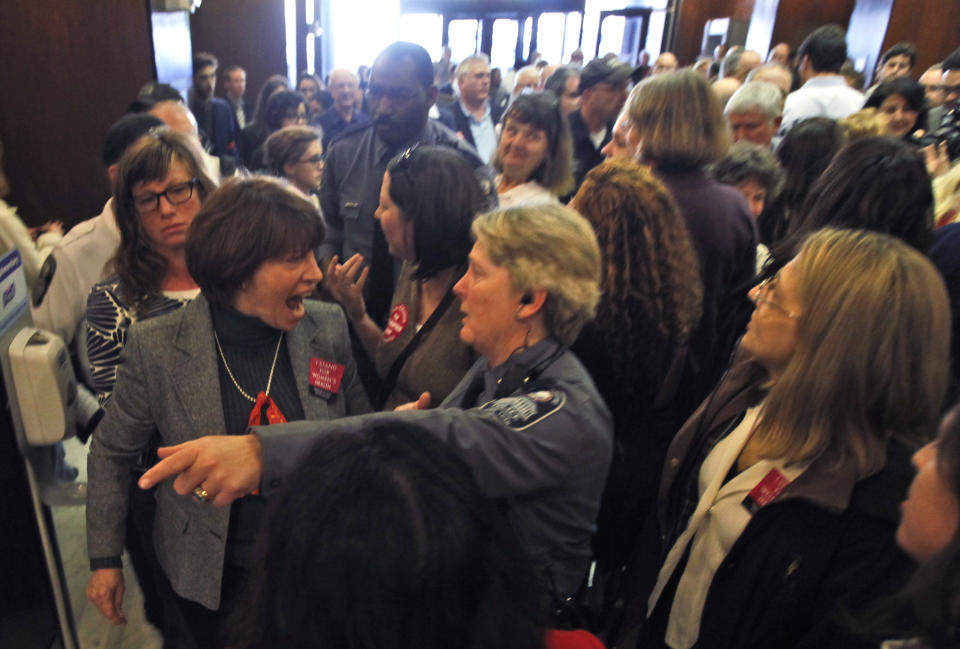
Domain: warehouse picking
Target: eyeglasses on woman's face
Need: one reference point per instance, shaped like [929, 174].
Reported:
[760, 295]
[175, 195]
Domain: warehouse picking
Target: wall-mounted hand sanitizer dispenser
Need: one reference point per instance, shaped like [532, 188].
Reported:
[45, 386]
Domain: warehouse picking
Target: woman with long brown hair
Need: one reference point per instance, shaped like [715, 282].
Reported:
[161, 184]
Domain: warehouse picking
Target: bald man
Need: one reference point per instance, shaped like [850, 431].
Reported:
[773, 73]
[177, 116]
[780, 54]
[345, 110]
[666, 62]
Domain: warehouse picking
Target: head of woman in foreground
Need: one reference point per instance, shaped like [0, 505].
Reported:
[428, 199]
[929, 532]
[383, 540]
[835, 373]
[251, 248]
[534, 273]
[162, 181]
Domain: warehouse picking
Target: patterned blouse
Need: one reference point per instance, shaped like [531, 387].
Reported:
[107, 320]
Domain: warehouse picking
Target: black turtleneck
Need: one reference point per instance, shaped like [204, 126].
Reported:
[249, 345]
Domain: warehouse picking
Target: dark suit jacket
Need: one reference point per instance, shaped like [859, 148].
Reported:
[169, 382]
[455, 119]
[219, 124]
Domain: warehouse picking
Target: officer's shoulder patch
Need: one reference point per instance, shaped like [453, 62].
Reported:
[43, 280]
[525, 410]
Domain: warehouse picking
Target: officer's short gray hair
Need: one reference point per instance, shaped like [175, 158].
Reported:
[464, 68]
[549, 247]
[756, 95]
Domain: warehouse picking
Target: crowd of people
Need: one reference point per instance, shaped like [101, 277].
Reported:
[578, 355]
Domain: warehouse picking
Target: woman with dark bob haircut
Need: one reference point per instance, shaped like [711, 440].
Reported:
[876, 183]
[533, 157]
[677, 127]
[195, 372]
[428, 200]
[902, 102]
[383, 540]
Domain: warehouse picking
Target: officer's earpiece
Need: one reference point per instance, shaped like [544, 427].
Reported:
[526, 298]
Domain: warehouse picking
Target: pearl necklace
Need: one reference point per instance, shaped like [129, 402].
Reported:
[230, 374]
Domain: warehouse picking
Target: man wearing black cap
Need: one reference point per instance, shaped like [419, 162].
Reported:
[603, 91]
[77, 263]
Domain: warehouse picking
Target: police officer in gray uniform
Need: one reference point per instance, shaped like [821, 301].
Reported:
[526, 418]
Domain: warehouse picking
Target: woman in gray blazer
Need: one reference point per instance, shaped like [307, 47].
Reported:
[249, 350]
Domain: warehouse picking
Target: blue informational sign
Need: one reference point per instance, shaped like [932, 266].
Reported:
[13, 289]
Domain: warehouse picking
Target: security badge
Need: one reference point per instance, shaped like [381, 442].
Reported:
[523, 411]
[325, 377]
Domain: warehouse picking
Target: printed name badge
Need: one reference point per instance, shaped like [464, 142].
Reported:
[765, 491]
[396, 323]
[325, 377]
[523, 411]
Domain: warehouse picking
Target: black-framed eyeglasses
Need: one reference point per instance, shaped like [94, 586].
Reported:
[175, 195]
[312, 160]
[761, 296]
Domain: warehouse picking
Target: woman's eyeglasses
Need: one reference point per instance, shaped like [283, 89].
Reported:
[175, 195]
[762, 296]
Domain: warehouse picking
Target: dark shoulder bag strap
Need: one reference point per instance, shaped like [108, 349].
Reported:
[391, 379]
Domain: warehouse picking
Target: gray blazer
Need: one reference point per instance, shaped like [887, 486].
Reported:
[169, 382]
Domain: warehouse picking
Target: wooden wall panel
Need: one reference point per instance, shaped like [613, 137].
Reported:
[692, 18]
[797, 18]
[932, 25]
[69, 71]
[249, 33]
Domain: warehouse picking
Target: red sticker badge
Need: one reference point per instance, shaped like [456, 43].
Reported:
[766, 490]
[325, 377]
[396, 323]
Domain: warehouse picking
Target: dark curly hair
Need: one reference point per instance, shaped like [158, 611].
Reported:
[651, 272]
[138, 264]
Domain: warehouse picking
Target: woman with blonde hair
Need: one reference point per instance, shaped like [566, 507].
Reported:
[677, 127]
[779, 499]
[636, 349]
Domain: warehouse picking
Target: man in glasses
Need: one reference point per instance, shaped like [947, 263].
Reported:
[401, 92]
[345, 110]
